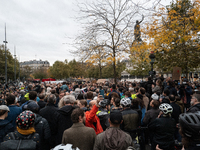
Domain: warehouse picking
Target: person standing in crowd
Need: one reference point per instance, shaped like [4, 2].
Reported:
[25, 131]
[41, 126]
[5, 126]
[79, 135]
[195, 103]
[130, 117]
[14, 110]
[113, 90]
[89, 97]
[148, 87]
[41, 102]
[63, 116]
[64, 87]
[113, 138]
[91, 118]
[48, 113]
[142, 91]
[163, 129]
[189, 127]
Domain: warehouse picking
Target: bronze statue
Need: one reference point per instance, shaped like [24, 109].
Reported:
[137, 32]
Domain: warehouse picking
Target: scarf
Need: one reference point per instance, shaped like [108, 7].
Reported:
[26, 132]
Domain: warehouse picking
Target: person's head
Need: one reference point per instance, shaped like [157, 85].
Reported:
[142, 90]
[131, 90]
[116, 102]
[125, 102]
[195, 99]
[4, 111]
[78, 116]
[115, 118]
[135, 103]
[155, 97]
[42, 96]
[166, 92]
[82, 103]
[189, 127]
[32, 95]
[171, 97]
[159, 82]
[25, 120]
[10, 99]
[51, 99]
[127, 94]
[69, 99]
[149, 78]
[30, 87]
[155, 104]
[114, 87]
[90, 95]
[166, 109]
[33, 106]
[62, 94]
[92, 103]
[104, 103]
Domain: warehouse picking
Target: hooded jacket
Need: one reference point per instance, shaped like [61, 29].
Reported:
[5, 128]
[63, 120]
[112, 139]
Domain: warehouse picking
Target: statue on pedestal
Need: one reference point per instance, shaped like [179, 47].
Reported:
[137, 32]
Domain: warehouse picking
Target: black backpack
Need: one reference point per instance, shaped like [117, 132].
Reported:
[18, 144]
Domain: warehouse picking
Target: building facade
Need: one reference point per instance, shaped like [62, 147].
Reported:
[34, 65]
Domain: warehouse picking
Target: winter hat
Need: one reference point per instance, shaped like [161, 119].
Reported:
[25, 120]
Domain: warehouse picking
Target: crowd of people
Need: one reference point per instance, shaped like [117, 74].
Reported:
[100, 116]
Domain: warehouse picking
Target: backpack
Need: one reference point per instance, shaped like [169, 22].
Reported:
[18, 144]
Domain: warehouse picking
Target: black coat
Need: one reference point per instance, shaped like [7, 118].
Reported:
[163, 129]
[194, 108]
[5, 128]
[48, 113]
[150, 115]
[63, 120]
[176, 111]
[42, 128]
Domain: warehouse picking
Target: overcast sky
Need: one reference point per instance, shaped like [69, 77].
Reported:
[40, 29]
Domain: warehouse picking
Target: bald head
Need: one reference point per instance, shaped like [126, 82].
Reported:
[92, 103]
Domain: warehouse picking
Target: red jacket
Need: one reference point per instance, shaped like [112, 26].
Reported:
[91, 118]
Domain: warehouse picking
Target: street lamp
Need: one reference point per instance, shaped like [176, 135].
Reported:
[152, 57]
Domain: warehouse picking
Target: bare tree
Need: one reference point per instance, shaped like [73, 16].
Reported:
[108, 24]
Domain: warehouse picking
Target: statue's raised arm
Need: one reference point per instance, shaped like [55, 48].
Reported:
[142, 19]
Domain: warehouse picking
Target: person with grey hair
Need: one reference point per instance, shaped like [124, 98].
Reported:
[63, 116]
[48, 112]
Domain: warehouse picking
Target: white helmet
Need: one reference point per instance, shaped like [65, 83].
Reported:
[166, 108]
[125, 102]
[64, 147]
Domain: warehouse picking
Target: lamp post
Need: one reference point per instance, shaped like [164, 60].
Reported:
[152, 57]
[5, 57]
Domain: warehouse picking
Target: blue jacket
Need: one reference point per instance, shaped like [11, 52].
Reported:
[5, 128]
[13, 114]
[64, 87]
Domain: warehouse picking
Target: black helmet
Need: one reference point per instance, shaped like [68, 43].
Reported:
[190, 124]
[103, 103]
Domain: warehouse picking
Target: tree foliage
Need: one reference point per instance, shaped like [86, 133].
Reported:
[174, 35]
[10, 64]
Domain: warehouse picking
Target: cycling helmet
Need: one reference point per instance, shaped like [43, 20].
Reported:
[65, 147]
[25, 120]
[125, 102]
[103, 103]
[166, 108]
[190, 124]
